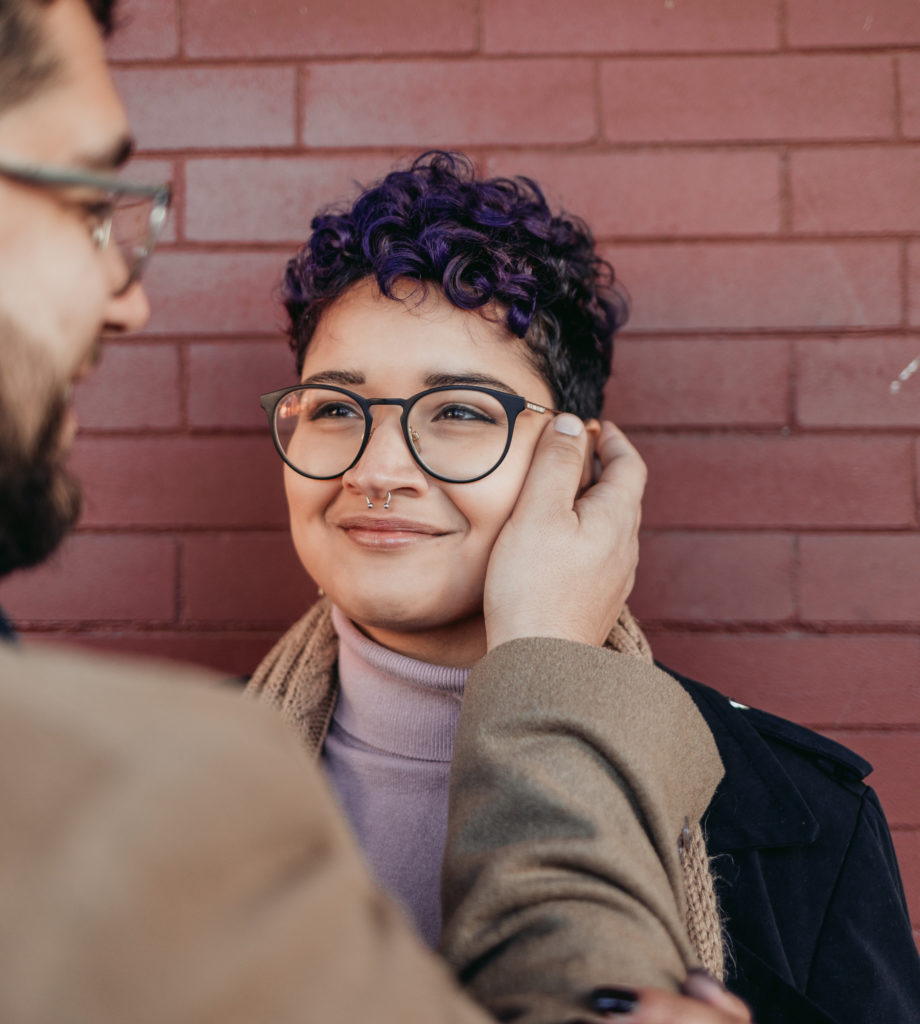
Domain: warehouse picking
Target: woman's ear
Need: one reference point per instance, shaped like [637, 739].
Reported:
[591, 469]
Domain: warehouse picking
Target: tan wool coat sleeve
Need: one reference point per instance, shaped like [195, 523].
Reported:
[170, 855]
[574, 771]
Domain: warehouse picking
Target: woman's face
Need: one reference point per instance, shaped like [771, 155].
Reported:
[411, 576]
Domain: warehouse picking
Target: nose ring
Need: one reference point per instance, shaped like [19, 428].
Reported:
[370, 504]
[386, 504]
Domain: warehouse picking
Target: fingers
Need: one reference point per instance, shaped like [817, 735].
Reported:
[703, 986]
[622, 467]
[558, 461]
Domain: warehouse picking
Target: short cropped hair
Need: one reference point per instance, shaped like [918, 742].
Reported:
[489, 244]
[25, 63]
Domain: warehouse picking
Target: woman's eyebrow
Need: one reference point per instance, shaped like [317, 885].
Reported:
[435, 380]
[340, 377]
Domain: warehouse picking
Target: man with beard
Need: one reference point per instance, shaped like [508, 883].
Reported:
[167, 853]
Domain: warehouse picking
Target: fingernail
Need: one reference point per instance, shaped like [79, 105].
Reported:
[566, 423]
[614, 1000]
[699, 980]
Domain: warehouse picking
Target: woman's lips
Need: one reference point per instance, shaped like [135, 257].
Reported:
[386, 533]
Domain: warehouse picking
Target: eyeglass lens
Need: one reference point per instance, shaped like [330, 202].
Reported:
[460, 434]
[136, 222]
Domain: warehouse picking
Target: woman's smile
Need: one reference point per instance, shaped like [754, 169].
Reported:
[386, 533]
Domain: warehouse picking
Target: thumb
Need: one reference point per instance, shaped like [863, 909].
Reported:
[555, 474]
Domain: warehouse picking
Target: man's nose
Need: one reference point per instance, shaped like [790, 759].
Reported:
[129, 311]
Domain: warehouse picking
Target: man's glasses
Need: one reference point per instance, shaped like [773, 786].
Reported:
[456, 434]
[125, 219]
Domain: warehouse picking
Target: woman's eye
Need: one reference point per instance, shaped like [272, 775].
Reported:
[465, 413]
[334, 410]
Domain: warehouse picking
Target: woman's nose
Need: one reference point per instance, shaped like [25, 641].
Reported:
[386, 463]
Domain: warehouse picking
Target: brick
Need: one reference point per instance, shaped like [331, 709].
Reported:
[907, 848]
[628, 194]
[852, 22]
[219, 206]
[846, 382]
[909, 80]
[92, 578]
[327, 28]
[232, 653]
[145, 30]
[870, 190]
[828, 680]
[895, 756]
[720, 480]
[762, 285]
[708, 577]
[860, 578]
[226, 379]
[136, 386]
[597, 26]
[249, 578]
[747, 98]
[670, 382]
[449, 103]
[913, 283]
[214, 482]
[200, 108]
[203, 293]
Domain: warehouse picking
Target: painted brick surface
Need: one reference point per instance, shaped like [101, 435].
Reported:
[595, 26]
[254, 578]
[849, 23]
[677, 193]
[91, 578]
[732, 481]
[861, 578]
[909, 79]
[747, 98]
[210, 482]
[913, 283]
[825, 680]
[135, 387]
[702, 577]
[238, 28]
[269, 199]
[226, 379]
[199, 108]
[848, 382]
[147, 30]
[453, 103]
[870, 190]
[763, 285]
[700, 381]
[211, 293]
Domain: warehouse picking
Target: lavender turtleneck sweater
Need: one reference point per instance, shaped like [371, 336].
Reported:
[387, 755]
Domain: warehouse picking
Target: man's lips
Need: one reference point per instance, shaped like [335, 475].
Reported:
[386, 532]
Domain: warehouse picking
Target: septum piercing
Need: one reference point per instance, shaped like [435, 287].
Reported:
[370, 504]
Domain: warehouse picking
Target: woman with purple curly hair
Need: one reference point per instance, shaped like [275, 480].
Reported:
[441, 323]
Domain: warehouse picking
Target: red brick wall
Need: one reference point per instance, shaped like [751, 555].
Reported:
[752, 169]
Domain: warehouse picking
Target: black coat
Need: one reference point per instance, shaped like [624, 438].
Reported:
[806, 876]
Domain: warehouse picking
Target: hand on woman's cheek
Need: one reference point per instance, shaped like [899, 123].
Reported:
[564, 564]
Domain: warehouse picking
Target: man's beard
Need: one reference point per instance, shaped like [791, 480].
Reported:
[39, 500]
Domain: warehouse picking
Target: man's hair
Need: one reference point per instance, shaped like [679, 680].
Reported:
[25, 63]
[489, 244]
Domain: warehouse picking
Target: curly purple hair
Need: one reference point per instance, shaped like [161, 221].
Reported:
[489, 244]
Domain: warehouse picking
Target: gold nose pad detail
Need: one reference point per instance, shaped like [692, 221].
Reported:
[416, 440]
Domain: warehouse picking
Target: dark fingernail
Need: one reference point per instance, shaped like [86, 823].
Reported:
[614, 1000]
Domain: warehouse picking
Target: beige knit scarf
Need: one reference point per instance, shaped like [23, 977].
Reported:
[298, 677]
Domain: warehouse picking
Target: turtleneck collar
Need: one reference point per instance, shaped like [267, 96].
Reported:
[393, 703]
